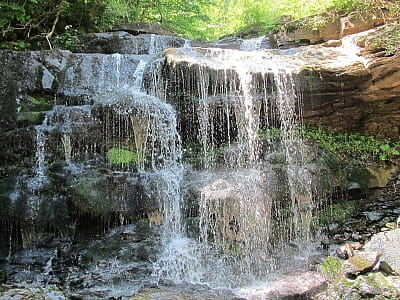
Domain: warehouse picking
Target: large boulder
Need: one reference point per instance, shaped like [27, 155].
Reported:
[388, 244]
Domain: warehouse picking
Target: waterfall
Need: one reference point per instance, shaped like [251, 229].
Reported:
[243, 216]
[185, 129]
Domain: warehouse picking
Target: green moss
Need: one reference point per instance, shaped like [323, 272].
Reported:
[39, 103]
[90, 194]
[30, 117]
[332, 268]
[122, 157]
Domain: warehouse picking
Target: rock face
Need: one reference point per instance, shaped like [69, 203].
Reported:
[339, 88]
[324, 27]
[368, 101]
[58, 106]
[123, 42]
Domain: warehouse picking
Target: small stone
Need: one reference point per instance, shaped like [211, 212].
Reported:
[332, 43]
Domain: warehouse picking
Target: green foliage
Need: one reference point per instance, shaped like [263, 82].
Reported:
[33, 20]
[122, 157]
[67, 41]
[337, 213]
[270, 133]
[359, 147]
[15, 45]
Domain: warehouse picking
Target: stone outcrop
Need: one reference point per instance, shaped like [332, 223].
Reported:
[55, 106]
[340, 88]
[355, 98]
[123, 42]
[331, 26]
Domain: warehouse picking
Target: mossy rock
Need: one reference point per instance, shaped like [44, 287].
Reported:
[332, 268]
[89, 194]
[122, 157]
[373, 286]
[39, 103]
[362, 262]
[30, 117]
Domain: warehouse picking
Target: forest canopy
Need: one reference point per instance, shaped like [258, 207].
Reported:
[35, 21]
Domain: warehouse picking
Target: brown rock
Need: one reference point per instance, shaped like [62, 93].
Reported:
[363, 20]
[362, 262]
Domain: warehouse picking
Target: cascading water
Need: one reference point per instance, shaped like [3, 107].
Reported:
[239, 204]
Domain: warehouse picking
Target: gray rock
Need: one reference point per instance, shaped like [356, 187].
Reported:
[125, 43]
[301, 286]
[388, 243]
[33, 293]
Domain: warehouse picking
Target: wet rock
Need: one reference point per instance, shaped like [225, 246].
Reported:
[388, 243]
[332, 43]
[125, 43]
[33, 293]
[185, 291]
[290, 287]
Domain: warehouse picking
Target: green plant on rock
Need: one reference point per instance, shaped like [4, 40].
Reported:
[67, 40]
[39, 103]
[122, 157]
[270, 133]
[337, 213]
[355, 146]
[332, 268]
